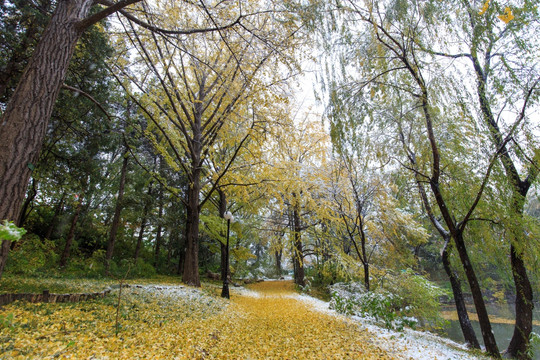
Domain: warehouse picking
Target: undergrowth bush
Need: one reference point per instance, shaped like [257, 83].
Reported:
[405, 299]
[32, 256]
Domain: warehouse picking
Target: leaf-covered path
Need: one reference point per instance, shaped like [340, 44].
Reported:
[267, 321]
[275, 325]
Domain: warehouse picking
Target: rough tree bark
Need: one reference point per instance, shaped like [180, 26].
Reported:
[191, 261]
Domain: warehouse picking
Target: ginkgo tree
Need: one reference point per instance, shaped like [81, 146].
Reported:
[189, 88]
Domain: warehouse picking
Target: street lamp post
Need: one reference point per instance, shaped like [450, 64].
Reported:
[225, 291]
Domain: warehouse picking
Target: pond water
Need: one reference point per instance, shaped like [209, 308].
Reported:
[502, 323]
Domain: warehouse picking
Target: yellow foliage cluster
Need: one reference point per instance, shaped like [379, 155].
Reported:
[507, 16]
[160, 325]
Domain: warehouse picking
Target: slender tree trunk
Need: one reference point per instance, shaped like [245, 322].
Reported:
[519, 344]
[117, 211]
[71, 234]
[57, 209]
[24, 210]
[278, 254]
[144, 219]
[298, 252]
[181, 255]
[524, 296]
[481, 311]
[170, 247]
[159, 229]
[24, 122]
[463, 315]
[223, 247]
[365, 261]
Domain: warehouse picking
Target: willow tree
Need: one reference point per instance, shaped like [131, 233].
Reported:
[499, 68]
[192, 88]
[389, 61]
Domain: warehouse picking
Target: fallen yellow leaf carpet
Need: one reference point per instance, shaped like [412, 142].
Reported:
[176, 322]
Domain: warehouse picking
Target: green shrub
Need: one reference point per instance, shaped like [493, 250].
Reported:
[417, 294]
[32, 256]
[92, 267]
[406, 299]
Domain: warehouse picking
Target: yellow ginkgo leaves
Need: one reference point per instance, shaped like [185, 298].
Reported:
[484, 8]
[177, 322]
[506, 17]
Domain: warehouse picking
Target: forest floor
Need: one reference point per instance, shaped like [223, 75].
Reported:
[267, 321]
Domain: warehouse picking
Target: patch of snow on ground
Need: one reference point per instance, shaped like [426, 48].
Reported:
[242, 291]
[409, 344]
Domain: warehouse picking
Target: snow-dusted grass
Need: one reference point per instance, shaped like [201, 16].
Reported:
[407, 344]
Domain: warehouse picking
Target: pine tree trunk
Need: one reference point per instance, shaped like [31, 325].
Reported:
[117, 212]
[24, 122]
[71, 234]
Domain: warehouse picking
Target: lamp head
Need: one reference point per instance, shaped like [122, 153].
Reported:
[228, 216]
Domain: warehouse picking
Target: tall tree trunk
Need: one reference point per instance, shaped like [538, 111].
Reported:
[118, 209]
[157, 249]
[479, 304]
[524, 296]
[519, 344]
[24, 122]
[24, 210]
[181, 255]
[170, 247]
[223, 246]
[365, 260]
[57, 209]
[71, 234]
[191, 262]
[298, 252]
[144, 219]
[278, 254]
[463, 315]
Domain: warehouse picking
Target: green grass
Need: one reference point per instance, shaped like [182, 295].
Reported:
[68, 285]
